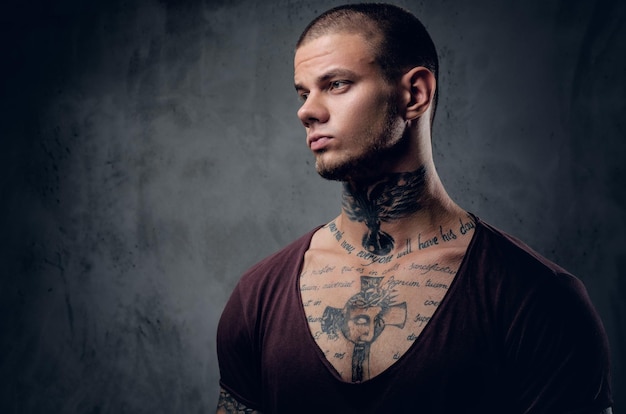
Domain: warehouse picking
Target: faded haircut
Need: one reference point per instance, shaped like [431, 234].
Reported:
[398, 39]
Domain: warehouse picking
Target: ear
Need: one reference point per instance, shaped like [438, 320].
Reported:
[419, 86]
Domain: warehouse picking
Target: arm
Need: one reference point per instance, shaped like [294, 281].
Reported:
[238, 360]
[227, 404]
[560, 351]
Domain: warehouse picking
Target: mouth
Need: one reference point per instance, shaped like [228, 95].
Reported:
[318, 142]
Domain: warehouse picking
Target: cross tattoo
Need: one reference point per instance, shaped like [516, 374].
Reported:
[363, 319]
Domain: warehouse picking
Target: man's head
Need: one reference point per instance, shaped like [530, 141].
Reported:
[398, 39]
[368, 96]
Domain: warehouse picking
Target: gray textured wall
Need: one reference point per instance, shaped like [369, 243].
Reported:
[150, 153]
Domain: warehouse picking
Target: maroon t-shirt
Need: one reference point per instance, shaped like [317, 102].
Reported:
[515, 333]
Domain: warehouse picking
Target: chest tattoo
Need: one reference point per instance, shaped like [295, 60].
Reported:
[363, 319]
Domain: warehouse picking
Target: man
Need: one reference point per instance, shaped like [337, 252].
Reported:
[404, 302]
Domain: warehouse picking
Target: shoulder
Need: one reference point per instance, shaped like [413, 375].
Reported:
[507, 262]
[554, 341]
[523, 292]
[286, 261]
[520, 275]
[263, 288]
[502, 249]
[268, 280]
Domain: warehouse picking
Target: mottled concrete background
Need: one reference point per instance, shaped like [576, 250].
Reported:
[151, 153]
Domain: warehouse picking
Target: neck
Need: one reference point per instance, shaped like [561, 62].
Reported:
[393, 207]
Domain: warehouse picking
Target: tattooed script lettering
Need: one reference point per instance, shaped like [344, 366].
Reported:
[423, 242]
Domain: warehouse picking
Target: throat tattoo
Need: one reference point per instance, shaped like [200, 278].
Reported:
[394, 197]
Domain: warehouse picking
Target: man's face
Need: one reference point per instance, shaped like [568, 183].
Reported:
[349, 111]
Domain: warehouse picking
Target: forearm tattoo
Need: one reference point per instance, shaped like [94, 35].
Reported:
[229, 405]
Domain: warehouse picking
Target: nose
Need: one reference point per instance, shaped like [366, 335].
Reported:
[313, 110]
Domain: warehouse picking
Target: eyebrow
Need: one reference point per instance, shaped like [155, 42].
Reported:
[333, 73]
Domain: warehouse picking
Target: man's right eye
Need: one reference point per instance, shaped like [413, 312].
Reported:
[303, 96]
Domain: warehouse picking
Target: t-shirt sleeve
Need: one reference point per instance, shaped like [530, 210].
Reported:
[238, 355]
[558, 351]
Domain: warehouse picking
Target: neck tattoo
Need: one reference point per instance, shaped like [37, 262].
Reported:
[393, 197]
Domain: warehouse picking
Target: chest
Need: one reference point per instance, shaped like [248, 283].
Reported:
[365, 316]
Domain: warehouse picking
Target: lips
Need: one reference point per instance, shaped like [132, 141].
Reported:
[318, 142]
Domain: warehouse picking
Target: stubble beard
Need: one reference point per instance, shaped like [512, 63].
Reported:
[384, 146]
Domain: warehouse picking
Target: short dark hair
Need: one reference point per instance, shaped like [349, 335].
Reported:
[399, 40]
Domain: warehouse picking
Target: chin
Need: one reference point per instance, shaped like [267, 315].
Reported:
[328, 173]
[349, 170]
